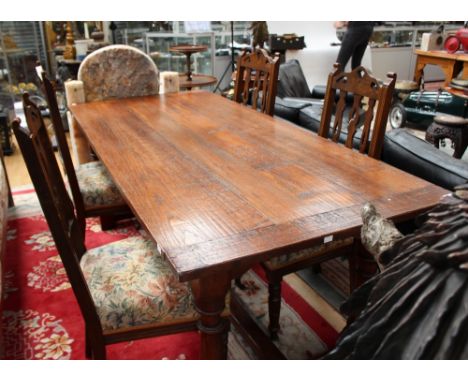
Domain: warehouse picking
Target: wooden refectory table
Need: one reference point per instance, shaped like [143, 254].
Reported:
[221, 187]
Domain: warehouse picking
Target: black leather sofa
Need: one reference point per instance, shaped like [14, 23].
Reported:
[409, 153]
[293, 93]
[401, 149]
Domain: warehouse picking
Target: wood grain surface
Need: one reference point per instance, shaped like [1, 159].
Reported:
[220, 186]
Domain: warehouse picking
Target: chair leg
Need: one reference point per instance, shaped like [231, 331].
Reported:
[239, 284]
[95, 347]
[108, 222]
[98, 350]
[274, 305]
[88, 346]
[317, 268]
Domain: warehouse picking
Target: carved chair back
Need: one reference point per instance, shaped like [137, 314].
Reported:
[118, 71]
[257, 74]
[49, 91]
[66, 228]
[359, 83]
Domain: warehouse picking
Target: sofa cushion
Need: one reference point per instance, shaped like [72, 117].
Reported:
[310, 116]
[319, 91]
[291, 81]
[418, 157]
[289, 108]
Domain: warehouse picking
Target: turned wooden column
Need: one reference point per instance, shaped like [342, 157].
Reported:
[74, 92]
[210, 295]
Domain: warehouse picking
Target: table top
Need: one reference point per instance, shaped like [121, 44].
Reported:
[219, 185]
[188, 48]
[442, 54]
[197, 80]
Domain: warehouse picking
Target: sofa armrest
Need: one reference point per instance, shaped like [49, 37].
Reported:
[407, 152]
[289, 108]
[319, 91]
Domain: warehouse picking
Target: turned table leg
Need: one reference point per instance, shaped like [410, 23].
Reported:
[210, 294]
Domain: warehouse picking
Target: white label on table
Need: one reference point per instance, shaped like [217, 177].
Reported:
[327, 239]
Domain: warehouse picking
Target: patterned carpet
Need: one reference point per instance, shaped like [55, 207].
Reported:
[42, 320]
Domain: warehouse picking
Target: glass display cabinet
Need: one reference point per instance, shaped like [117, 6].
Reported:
[155, 39]
[134, 37]
[215, 61]
[21, 46]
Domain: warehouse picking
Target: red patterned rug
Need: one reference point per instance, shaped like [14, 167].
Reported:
[42, 320]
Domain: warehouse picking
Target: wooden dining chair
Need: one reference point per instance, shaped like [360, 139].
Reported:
[125, 290]
[360, 84]
[256, 80]
[93, 191]
[115, 71]
[118, 71]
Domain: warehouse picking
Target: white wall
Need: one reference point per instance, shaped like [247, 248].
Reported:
[318, 57]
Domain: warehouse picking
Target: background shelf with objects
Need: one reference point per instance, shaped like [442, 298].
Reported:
[393, 43]
[21, 46]
[155, 40]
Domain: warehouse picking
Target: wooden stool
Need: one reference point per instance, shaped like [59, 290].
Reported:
[449, 126]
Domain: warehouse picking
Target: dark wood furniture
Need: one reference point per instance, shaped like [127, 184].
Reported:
[4, 204]
[416, 307]
[360, 84]
[188, 50]
[198, 80]
[256, 80]
[450, 63]
[189, 79]
[451, 127]
[5, 132]
[221, 187]
[11, 202]
[108, 213]
[67, 229]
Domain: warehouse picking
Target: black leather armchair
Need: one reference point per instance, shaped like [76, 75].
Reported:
[293, 93]
[295, 101]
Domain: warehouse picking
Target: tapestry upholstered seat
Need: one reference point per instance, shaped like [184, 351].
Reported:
[132, 285]
[92, 189]
[125, 290]
[96, 186]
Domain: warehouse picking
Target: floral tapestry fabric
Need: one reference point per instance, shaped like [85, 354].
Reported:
[42, 320]
[96, 185]
[132, 285]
